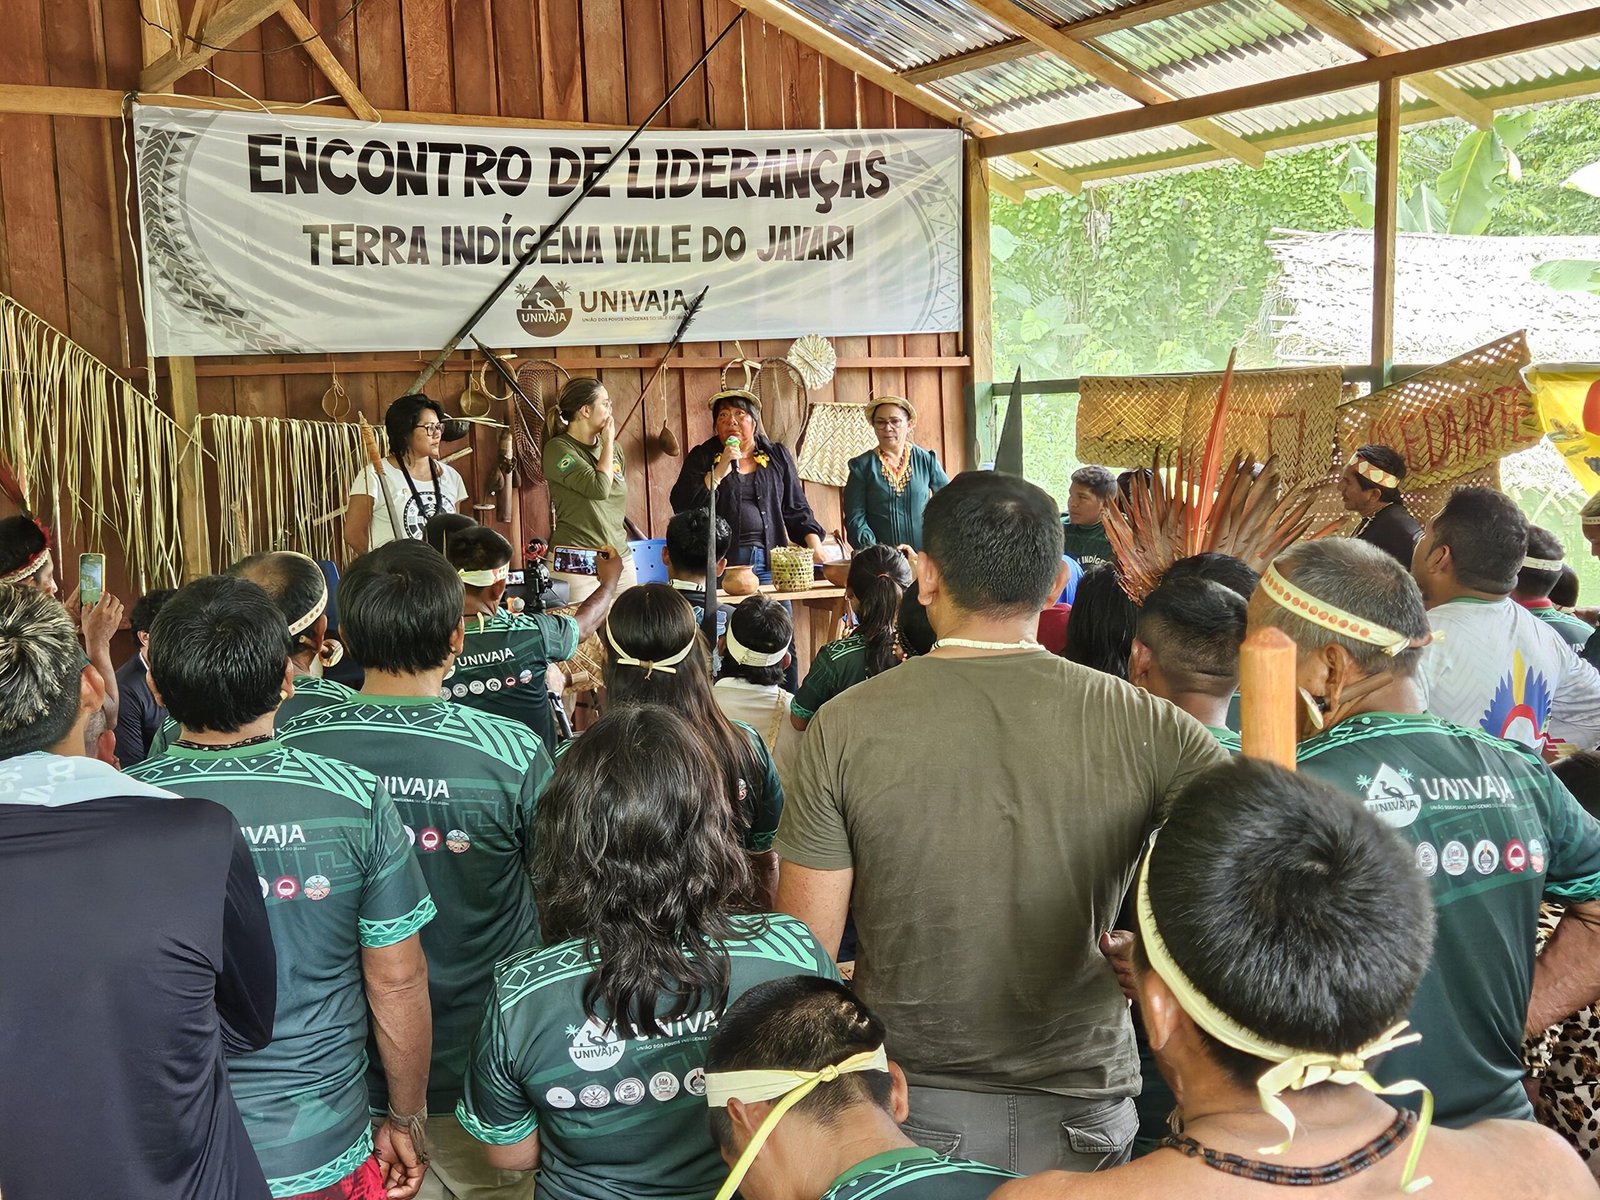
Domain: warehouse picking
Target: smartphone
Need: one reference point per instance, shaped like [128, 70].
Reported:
[91, 579]
[574, 560]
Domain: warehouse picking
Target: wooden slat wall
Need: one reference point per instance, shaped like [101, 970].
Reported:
[64, 249]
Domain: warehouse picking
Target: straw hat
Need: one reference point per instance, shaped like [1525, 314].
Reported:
[900, 402]
[749, 397]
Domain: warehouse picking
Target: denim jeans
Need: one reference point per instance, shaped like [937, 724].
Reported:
[1026, 1133]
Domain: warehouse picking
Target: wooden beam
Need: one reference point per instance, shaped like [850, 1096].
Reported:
[1499, 43]
[1011, 189]
[1356, 34]
[222, 28]
[979, 328]
[1384, 226]
[1014, 48]
[159, 27]
[302, 28]
[808, 33]
[306, 365]
[1049, 172]
[191, 473]
[1113, 74]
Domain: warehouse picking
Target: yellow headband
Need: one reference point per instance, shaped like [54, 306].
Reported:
[746, 657]
[668, 664]
[1295, 1070]
[484, 578]
[1373, 474]
[792, 1086]
[1335, 620]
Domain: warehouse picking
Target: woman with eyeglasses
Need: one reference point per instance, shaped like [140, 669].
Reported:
[889, 487]
[418, 484]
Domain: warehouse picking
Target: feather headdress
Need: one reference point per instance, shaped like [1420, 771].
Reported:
[15, 489]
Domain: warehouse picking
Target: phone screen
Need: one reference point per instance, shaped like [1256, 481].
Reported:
[91, 578]
[574, 560]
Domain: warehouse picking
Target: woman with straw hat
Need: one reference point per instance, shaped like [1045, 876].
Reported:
[889, 487]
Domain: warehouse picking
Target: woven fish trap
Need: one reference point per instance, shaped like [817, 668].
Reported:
[835, 434]
[1452, 423]
[541, 379]
[1288, 414]
[791, 568]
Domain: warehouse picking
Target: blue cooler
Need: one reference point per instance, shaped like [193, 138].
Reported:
[650, 559]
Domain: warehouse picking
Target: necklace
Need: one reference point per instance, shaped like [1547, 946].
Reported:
[1367, 521]
[253, 741]
[1354, 1163]
[969, 644]
[897, 474]
[438, 502]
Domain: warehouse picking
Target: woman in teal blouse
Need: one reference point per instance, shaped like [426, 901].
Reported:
[889, 487]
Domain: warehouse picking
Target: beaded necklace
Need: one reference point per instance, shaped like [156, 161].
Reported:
[898, 474]
[1354, 1163]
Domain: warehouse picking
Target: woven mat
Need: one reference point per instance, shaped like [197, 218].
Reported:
[586, 667]
[835, 433]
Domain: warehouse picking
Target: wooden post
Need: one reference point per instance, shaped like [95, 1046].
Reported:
[191, 470]
[1268, 696]
[978, 332]
[1384, 224]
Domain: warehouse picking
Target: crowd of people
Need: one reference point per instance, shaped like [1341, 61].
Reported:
[961, 916]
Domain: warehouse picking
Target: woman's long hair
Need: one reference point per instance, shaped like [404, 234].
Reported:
[653, 622]
[635, 855]
[879, 576]
[1101, 627]
[575, 395]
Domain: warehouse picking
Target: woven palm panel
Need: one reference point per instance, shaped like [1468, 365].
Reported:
[835, 433]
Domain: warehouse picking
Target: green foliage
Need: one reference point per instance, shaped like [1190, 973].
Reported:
[1569, 275]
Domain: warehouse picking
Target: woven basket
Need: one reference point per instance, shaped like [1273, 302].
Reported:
[586, 667]
[791, 568]
[835, 433]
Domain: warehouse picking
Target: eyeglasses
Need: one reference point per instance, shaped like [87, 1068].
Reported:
[432, 428]
[888, 422]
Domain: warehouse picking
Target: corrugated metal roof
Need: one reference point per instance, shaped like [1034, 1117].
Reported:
[1223, 45]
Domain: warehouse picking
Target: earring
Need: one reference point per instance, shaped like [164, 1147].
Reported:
[283, 694]
[331, 653]
[1315, 707]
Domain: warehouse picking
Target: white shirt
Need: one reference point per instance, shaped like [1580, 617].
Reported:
[452, 490]
[1501, 669]
[766, 710]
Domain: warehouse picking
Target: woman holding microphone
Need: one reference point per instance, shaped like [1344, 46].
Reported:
[588, 485]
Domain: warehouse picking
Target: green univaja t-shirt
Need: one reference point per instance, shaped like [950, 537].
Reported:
[760, 799]
[917, 1173]
[1226, 738]
[591, 502]
[1576, 631]
[501, 666]
[465, 783]
[839, 665]
[310, 692]
[1494, 832]
[337, 875]
[619, 1117]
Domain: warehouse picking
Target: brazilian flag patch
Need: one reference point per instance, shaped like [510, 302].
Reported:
[566, 461]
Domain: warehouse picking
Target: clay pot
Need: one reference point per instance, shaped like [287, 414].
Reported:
[836, 573]
[740, 581]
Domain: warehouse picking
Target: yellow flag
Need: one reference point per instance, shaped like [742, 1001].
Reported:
[1568, 399]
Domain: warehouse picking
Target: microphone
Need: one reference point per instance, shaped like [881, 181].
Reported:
[730, 445]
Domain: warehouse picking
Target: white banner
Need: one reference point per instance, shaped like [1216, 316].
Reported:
[267, 234]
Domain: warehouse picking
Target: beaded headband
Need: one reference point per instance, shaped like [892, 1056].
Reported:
[1371, 473]
[30, 568]
[301, 624]
[1336, 620]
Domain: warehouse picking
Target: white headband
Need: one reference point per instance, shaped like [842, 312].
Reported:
[1543, 564]
[306, 622]
[484, 578]
[668, 664]
[746, 657]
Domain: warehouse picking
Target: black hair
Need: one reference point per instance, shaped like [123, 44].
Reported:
[879, 576]
[574, 396]
[1579, 773]
[1291, 908]
[1098, 480]
[1127, 479]
[218, 651]
[1534, 584]
[1361, 579]
[41, 663]
[1101, 627]
[293, 582]
[441, 528]
[145, 609]
[1565, 592]
[1193, 629]
[1487, 536]
[20, 539]
[404, 415]
[686, 539]
[800, 1023]
[996, 540]
[912, 628]
[763, 625]
[479, 549]
[1387, 459]
[399, 606]
[1232, 573]
[651, 622]
[635, 856]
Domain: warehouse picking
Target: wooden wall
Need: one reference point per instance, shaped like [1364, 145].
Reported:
[64, 248]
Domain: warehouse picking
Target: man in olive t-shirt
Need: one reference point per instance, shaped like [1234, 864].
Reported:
[980, 809]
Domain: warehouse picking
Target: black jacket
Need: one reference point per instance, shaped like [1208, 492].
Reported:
[786, 514]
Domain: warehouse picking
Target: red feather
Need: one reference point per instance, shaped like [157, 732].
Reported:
[1211, 463]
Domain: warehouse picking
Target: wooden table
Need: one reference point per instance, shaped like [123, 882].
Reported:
[824, 605]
